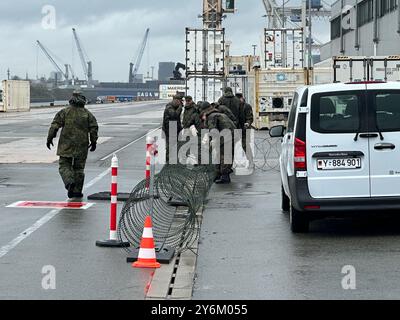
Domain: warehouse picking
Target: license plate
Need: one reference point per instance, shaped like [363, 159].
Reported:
[340, 163]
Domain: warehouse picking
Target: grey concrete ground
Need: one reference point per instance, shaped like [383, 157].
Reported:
[67, 241]
[247, 251]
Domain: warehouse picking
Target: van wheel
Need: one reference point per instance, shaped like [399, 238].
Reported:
[285, 201]
[299, 222]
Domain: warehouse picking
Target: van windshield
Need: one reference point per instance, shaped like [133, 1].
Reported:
[335, 113]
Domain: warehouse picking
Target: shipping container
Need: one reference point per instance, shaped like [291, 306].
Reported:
[271, 92]
[205, 63]
[205, 89]
[16, 96]
[283, 48]
[360, 68]
[239, 84]
[167, 91]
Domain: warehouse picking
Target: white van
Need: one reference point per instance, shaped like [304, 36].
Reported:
[340, 150]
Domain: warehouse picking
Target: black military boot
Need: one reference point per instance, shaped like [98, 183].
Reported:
[218, 177]
[71, 187]
[78, 195]
[225, 179]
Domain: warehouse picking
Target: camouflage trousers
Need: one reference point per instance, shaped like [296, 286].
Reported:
[72, 171]
[225, 165]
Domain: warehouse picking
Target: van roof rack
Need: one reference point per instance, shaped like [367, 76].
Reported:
[366, 82]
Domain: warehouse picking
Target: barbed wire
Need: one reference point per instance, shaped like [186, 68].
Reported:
[188, 186]
[267, 151]
[180, 191]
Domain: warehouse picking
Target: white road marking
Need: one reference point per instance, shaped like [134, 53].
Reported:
[42, 221]
[46, 218]
[97, 179]
[25, 234]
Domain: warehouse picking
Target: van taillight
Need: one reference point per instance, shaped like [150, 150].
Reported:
[299, 154]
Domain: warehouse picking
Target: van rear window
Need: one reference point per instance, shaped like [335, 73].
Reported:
[335, 113]
[388, 111]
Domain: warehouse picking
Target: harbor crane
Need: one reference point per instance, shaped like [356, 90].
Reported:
[54, 63]
[213, 12]
[86, 64]
[274, 18]
[134, 67]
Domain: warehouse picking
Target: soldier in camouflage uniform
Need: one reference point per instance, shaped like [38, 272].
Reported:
[225, 110]
[245, 122]
[172, 113]
[78, 125]
[191, 116]
[232, 103]
[198, 106]
[214, 119]
[191, 123]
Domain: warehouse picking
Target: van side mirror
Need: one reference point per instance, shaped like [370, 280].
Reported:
[277, 131]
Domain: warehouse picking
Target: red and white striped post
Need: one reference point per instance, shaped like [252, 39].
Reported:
[149, 146]
[146, 256]
[113, 241]
[114, 198]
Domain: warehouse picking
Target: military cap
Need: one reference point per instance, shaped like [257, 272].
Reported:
[228, 90]
[204, 106]
[177, 97]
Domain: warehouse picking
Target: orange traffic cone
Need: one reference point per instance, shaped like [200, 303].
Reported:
[147, 251]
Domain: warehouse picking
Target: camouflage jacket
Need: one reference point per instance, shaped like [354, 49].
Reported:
[233, 104]
[219, 121]
[225, 110]
[246, 114]
[78, 125]
[191, 117]
[172, 112]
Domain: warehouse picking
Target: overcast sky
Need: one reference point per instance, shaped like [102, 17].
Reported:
[112, 30]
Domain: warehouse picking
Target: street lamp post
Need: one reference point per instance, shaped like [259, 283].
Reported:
[254, 49]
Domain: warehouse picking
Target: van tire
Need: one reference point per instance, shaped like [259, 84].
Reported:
[285, 201]
[299, 222]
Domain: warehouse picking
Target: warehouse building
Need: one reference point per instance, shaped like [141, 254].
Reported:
[165, 70]
[363, 28]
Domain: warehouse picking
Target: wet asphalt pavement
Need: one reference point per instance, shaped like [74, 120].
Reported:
[248, 252]
[67, 241]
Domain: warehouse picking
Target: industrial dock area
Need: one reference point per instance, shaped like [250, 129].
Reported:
[203, 154]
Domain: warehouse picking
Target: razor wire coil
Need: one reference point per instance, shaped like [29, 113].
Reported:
[188, 185]
[172, 227]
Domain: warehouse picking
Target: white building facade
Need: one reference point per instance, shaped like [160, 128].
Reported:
[364, 28]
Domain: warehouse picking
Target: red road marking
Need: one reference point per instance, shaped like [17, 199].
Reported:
[51, 205]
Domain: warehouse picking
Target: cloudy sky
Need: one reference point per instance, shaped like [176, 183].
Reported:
[112, 30]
